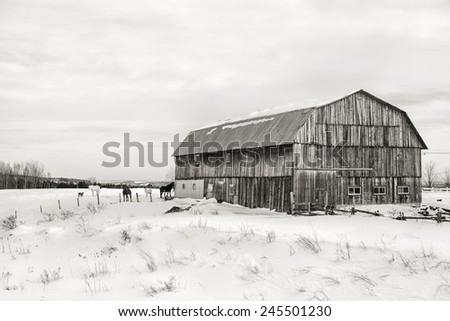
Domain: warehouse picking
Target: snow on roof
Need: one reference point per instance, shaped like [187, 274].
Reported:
[247, 123]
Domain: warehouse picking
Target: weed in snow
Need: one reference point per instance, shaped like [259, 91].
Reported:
[99, 268]
[271, 237]
[50, 276]
[318, 295]
[343, 251]
[82, 224]
[331, 280]
[66, 214]
[250, 270]
[125, 236]
[49, 217]
[442, 264]
[444, 287]
[362, 278]
[9, 223]
[309, 242]
[144, 226]
[169, 257]
[149, 260]
[154, 288]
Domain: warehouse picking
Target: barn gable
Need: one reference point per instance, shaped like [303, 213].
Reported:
[360, 119]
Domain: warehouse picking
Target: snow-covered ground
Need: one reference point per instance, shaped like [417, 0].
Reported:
[133, 251]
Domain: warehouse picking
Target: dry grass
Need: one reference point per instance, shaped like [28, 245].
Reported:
[362, 278]
[271, 237]
[319, 295]
[66, 214]
[442, 264]
[168, 257]
[444, 287]
[309, 242]
[343, 251]
[99, 268]
[154, 288]
[50, 276]
[149, 260]
[250, 270]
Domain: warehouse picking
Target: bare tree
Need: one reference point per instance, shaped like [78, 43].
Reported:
[447, 177]
[170, 175]
[17, 171]
[430, 174]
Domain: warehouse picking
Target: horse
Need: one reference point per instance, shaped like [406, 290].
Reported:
[94, 188]
[126, 192]
[164, 190]
[80, 194]
[148, 191]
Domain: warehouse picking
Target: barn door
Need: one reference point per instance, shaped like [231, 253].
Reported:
[220, 191]
[321, 196]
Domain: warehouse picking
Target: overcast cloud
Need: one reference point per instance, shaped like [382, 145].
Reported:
[76, 74]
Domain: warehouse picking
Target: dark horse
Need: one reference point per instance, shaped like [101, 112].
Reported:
[164, 190]
[126, 192]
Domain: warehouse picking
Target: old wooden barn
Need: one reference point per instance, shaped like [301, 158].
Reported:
[356, 150]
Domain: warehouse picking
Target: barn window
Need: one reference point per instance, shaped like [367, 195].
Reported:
[194, 187]
[231, 189]
[354, 190]
[197, 160]
[228, 159]
[403, 190]
[379, 190]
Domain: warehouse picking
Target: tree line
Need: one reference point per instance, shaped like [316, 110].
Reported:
[32, 174]
[433, 178]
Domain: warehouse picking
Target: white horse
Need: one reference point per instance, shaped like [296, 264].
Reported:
[148, 191]
[94, 188]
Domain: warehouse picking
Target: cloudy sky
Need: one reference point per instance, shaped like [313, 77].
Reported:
[75, 74]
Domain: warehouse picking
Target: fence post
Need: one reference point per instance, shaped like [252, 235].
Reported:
[137, 197]
[78, 201]
[151, 197]
[309, 208]
[292, 202]
[353, 211]
[98, 199]
[120, 198]
[15, 213]
[59, 204]
[40, 207]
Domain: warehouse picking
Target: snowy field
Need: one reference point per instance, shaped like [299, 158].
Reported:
[133, 251]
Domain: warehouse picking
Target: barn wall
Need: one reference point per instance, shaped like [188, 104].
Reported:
[330, 187]
[252, 192]
[237, 163]
[189, 188]
[385, 161]
[359, 120]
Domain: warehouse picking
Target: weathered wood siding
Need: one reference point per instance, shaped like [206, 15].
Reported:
[254, 192]
[234, 164]
[359, 120]
[331, 188]
[266, 183]
[357, 132]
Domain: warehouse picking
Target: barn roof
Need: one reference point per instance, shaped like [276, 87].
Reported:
[246, 133]
[252, 132]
